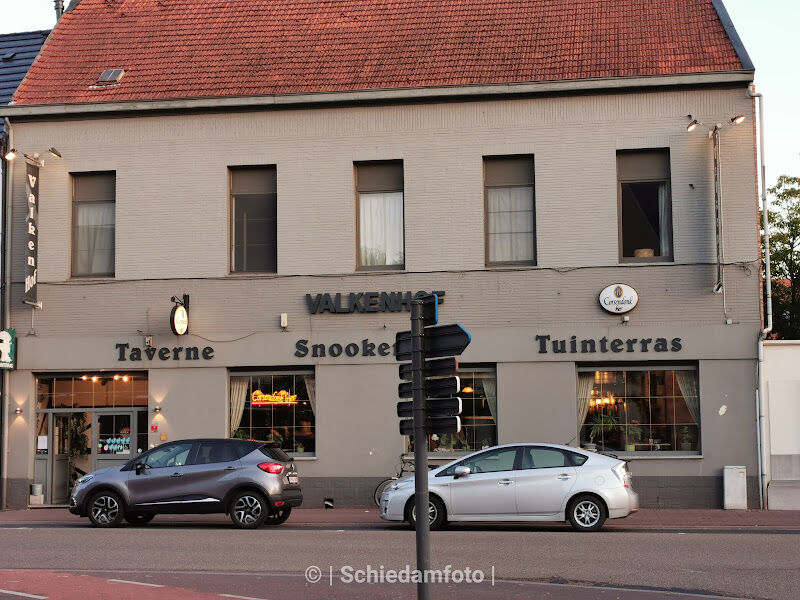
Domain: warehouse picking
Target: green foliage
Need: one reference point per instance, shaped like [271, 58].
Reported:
[602, 424]
[785, 254]
[635, 433]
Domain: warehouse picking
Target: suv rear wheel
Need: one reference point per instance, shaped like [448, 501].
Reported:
[278, 517]
[106, 510]
[248, 509]
[586, 513]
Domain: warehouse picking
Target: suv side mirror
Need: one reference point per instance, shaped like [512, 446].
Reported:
[139, 468]
[461, 471]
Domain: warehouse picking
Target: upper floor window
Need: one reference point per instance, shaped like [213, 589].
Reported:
[510, 213]
[381, 244]
[93, 218]
[254, 205]
[645, 205]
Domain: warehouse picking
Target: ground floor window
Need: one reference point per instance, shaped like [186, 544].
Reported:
[275, 406]
[478, 413]
[639, 409]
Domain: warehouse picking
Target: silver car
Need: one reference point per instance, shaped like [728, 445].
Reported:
[253, 482]
[521, 482]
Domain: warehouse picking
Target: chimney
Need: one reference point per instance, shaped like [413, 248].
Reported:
[59, 9]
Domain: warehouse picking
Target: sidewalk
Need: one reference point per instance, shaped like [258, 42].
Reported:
[369, 518]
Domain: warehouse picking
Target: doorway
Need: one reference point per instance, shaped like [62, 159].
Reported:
[86, 423]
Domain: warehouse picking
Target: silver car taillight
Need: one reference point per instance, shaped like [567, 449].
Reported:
[623, 474]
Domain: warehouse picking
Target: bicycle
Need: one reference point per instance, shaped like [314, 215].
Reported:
[405, 466]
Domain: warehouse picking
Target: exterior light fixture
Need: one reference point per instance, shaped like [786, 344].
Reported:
[157, 410]
[125, 378]
[738, 119]
[84, 377]
[55, 152]
[179, 317]
[94, 378]
[116, 377]
[18, 410]
[11, 154]
[693, 125]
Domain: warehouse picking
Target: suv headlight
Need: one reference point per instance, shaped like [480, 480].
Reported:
[84, 479]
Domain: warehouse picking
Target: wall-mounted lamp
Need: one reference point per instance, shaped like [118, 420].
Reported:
[738, 119]
[692, 125]
[18, 410]
[14, 153]
[284, 320]
[11, 154]
[157, 410]
[54, 152]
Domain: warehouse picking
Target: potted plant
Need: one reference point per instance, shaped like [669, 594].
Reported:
[300, 447]
[685, 437]
[275, 437]
[633, 435]
[602, 425]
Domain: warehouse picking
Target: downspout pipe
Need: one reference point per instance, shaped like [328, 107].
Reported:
[4, 278]
[760, 432]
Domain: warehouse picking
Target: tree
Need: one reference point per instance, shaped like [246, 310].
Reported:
[785, 253]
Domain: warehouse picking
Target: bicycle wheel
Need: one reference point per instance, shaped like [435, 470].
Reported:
[379, 490]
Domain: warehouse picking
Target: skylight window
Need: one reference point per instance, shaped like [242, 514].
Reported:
[8, 55]
[110, 77]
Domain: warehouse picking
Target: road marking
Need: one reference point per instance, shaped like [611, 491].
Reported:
[134, 582]
[22, 594]
[239, 597]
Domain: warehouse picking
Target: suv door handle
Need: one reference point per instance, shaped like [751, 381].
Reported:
[177, 475]
[505, 482]
[564, 476]
[229, 468]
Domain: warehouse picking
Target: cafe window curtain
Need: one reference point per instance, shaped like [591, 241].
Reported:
[311, 388]
[490, 389]
[585, 384]
[381, 227]
[687, 382]
[94, 217]
[509, 213]
[239, 387]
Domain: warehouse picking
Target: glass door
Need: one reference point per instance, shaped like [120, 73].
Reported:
[59, 490]
[112, 445]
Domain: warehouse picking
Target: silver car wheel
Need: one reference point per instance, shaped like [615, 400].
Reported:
[433, 512]
[587, 513]
[247, 510]
[105, 509]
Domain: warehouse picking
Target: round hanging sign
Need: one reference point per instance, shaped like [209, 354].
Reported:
[618, 298]
[179, 319]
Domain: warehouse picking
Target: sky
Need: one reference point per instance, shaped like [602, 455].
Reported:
[768, 29]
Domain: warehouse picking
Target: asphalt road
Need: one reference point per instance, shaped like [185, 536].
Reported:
[542, 562]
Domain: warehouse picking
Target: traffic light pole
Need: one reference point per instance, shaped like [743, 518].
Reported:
[420, 450]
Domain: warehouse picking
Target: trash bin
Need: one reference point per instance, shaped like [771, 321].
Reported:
[36, 489]
[735, 487]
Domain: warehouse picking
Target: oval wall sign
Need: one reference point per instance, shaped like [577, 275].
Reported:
[179, 319]
[618, 298]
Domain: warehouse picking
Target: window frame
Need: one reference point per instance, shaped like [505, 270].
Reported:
[512, 263]
[633, 367]
[668, 182]
[232, 220]
[358, 192]
[448, 472]
[74, 227]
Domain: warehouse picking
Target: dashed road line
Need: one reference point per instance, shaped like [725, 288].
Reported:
[156, 585]
[22, 594]
[240, 597]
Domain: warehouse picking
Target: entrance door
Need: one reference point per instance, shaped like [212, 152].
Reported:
[59, 489]
[114, 437]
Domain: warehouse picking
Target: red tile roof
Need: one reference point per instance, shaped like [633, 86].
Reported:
[207, 48]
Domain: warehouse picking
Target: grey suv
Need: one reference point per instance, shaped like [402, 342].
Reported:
[253, 482]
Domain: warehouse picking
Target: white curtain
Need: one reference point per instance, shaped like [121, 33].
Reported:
[490, 389]
[311, 387]
[94, 244]
[238, 397]
[381, 228]
[509, 214]
[664, 219]
[585, 384]
[687, 382]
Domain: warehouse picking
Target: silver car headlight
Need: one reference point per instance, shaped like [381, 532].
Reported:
[84, 479]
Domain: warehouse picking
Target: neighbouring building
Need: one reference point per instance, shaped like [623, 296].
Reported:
[577, 180]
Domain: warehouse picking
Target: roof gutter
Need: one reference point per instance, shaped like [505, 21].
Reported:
[465, 92]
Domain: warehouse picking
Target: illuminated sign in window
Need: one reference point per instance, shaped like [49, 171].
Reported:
[259, 398]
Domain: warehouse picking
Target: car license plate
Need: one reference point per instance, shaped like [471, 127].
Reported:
[293, 479]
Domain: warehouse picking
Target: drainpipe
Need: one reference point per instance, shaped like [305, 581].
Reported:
[4, 220]
[762, 481]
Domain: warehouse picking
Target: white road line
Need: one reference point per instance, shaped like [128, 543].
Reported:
[22, 594]
[135, 582]
[239, 597]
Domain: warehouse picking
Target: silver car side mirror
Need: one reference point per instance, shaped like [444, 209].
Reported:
[461, 471]
[139, 468]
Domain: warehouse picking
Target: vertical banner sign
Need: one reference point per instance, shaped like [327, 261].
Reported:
[8, 348]
[31, 241]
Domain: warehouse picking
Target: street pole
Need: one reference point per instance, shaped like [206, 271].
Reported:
[420, 450]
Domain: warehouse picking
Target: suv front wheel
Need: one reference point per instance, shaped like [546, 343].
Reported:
[106, 510]
[248, 509]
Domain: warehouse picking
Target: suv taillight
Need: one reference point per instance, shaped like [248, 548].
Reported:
[271, 467]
